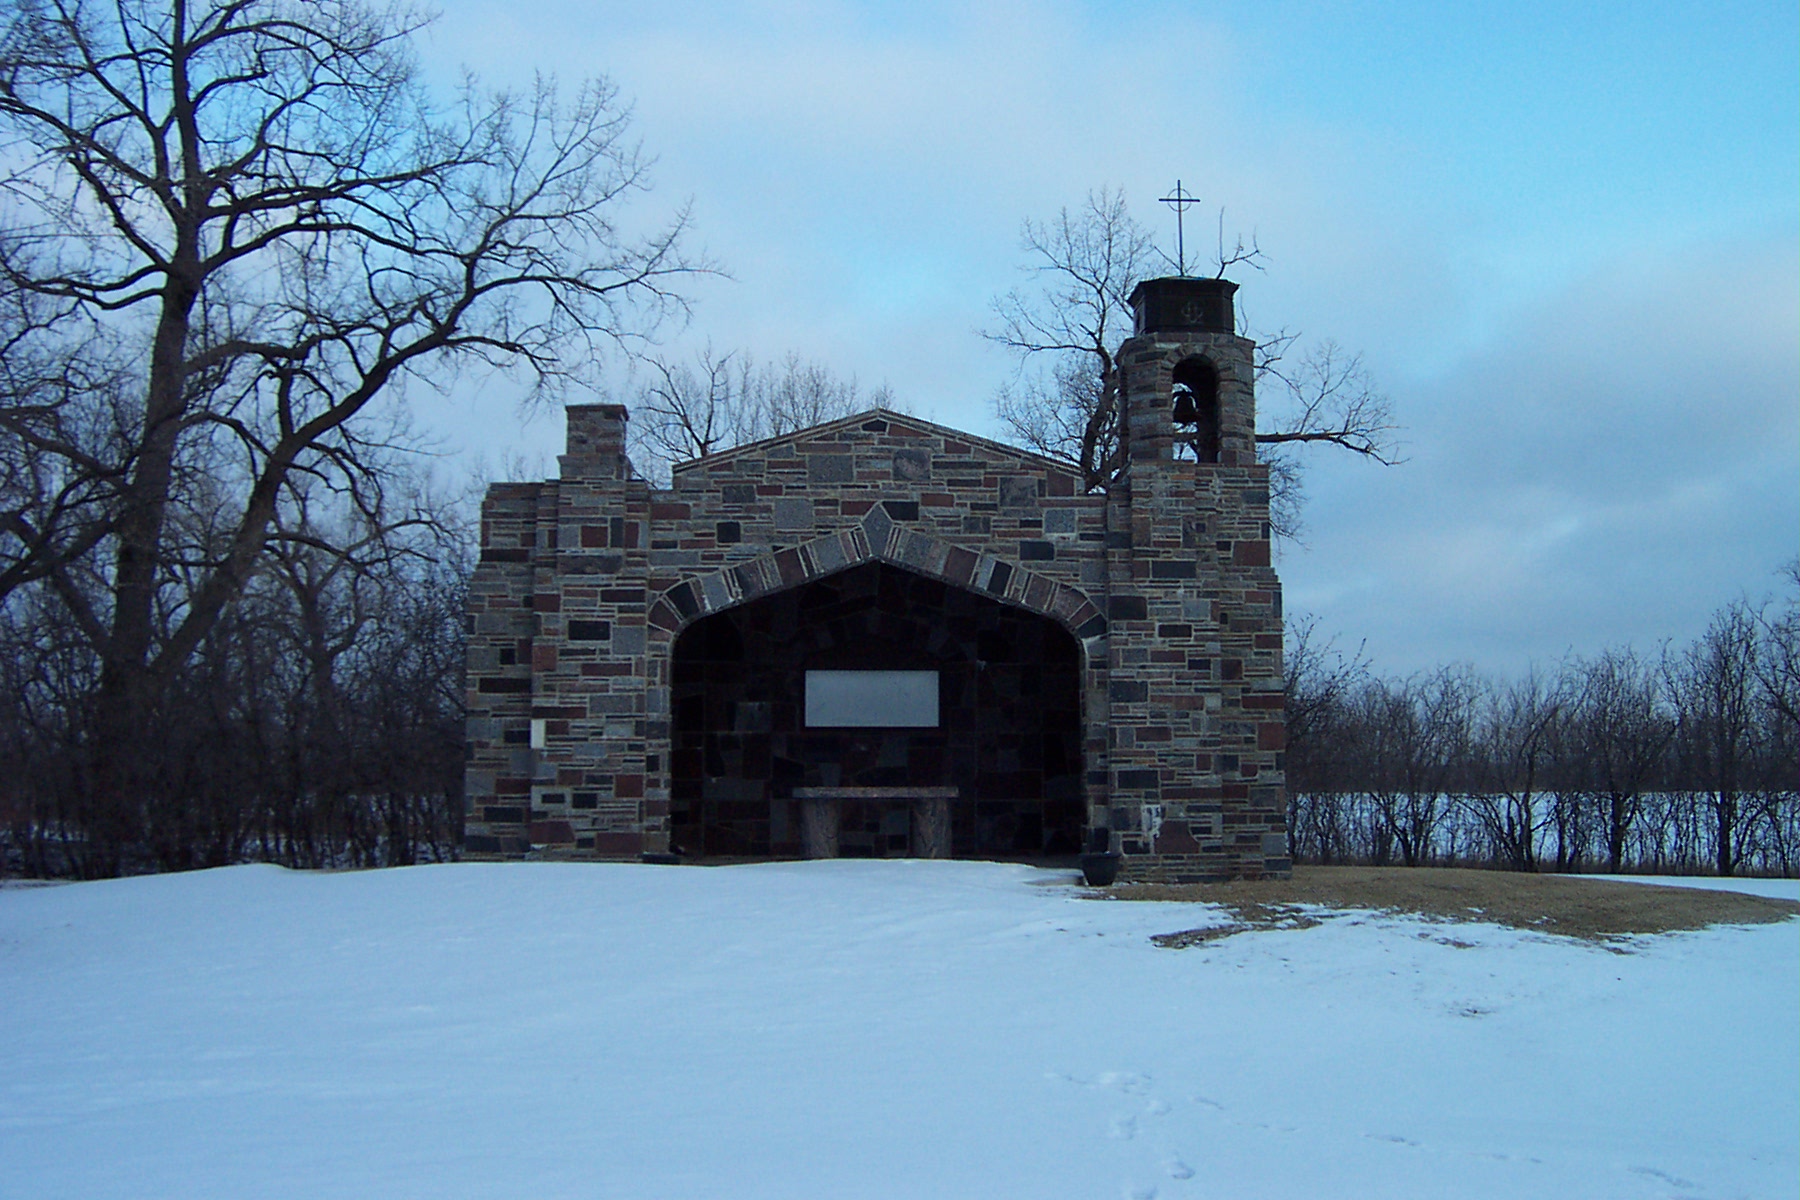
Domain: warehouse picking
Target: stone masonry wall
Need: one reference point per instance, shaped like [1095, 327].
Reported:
[585, 583]
[1198, 725]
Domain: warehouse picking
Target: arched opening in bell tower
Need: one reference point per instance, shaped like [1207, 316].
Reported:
[1195, 396]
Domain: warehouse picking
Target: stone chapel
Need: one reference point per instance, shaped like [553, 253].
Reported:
[883, 637]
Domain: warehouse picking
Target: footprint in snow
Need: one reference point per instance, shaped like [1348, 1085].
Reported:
[1395, 1138]
[1123, 1128]
[1177, 1169]
[1129, 1082]
[1672, 1180]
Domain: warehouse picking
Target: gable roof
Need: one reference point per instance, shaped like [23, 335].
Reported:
[852, 422]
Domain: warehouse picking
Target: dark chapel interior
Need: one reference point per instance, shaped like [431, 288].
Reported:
[1008, 736]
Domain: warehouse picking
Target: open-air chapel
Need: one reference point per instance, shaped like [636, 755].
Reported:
[883, 637]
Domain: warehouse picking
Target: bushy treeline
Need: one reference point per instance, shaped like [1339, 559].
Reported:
[240, 245]
[1680, 761]
[319, 724]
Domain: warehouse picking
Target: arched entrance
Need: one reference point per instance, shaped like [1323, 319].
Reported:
[1008, 736]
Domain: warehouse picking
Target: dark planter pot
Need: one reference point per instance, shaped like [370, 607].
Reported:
[1100, 869]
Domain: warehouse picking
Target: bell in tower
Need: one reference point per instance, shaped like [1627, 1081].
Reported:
[1195, 411]
[1187, 374]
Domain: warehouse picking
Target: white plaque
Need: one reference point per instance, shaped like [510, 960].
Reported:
[872, 699]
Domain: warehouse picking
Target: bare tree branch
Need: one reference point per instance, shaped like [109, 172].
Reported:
[721, 400]
[1331, 400]
[255, 226]
[1067, 326]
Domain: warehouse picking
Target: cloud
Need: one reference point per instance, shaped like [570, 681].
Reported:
[1597, 372]
[1616, 463]
[860, 175]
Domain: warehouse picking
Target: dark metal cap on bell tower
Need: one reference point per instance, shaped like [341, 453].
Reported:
[1183, 304]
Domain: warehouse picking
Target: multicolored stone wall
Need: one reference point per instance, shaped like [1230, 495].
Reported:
[1198, 720]
[586, 582]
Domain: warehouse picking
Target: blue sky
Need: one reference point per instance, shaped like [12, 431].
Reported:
[1566, 239]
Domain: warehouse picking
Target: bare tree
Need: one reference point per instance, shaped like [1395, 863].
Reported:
[687, 411]
[1075, 314]
[1714, 685]
[1619, 739]
[1318, 685]
[1518, 731]
[1084, 266]
[257, 206]
[718, 401]
[1416, 742]
[1778, 667]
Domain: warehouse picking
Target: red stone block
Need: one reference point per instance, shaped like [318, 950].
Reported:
[959, 566]
[792, 570]
[551, 833]
[619, 843]
[1176, 838]
[1250, 554]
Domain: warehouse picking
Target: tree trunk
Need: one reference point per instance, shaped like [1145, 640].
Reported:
[1726, 808]
[1618, 826]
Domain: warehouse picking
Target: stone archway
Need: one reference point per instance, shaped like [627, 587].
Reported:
[1009, 741]
[879, 538]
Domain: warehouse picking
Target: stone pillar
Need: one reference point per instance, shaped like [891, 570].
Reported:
[819, 820]
[502, 634]
[931, 825]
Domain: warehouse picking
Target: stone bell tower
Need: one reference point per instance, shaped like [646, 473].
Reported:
[1197, 761]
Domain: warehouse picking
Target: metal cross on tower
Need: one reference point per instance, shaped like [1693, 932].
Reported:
[1180, 201]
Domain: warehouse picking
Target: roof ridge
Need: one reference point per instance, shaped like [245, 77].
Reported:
[1068, 466]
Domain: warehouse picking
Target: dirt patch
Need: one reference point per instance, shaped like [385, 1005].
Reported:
[1582, 907]
[1250, 917]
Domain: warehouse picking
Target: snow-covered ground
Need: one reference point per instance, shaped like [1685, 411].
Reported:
[852, 1029]
[1780, 889]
